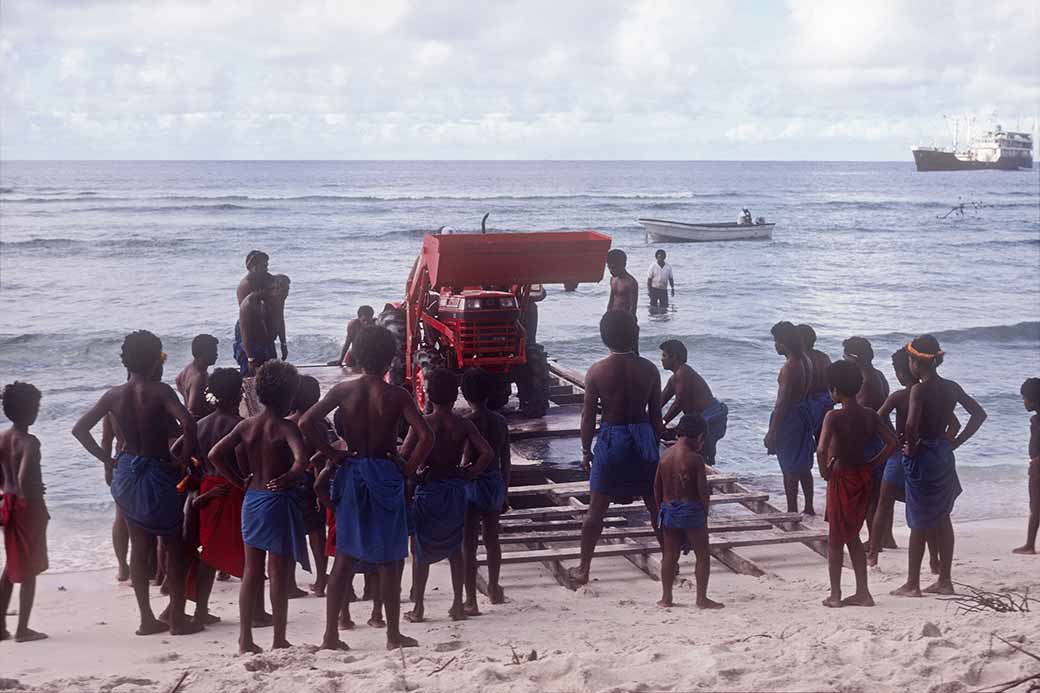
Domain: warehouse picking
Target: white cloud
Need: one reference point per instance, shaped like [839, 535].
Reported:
[538, 79]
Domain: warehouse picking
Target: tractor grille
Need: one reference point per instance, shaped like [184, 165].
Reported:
[491, 345]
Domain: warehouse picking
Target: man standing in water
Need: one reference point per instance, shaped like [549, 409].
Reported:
[624, 289]
[257, 274]
[658, 281]
[790, 435]
[624, 464]
[366, 316]
[144, 483]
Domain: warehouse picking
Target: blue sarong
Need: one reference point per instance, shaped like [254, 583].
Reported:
[932, 484]
[487, 493]
[264, 352]
[145, 489]
[717, 417]
[794, 440]
[683, 515]
[870, 451]
[371, 514]
[624, 460]
[894, 474]
[438, 518]
[272, 521]
[819, 404]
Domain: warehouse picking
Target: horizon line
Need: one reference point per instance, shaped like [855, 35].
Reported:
[402, 160]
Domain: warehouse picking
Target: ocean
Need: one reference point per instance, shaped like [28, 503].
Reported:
[92, 250]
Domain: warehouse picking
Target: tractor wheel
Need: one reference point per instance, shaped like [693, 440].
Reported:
[532, 383]
[393, 319]
[500, 394]
[424, 362]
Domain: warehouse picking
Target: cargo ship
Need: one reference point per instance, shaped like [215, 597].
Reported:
[996, 149]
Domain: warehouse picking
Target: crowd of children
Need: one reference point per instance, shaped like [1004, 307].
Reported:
[254, 497]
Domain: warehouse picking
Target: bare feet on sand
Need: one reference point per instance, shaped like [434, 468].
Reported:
[336, 644]
[471, 609]
[187, 627]
[28, 635]
[206, 619]
[709, 604]
[346, 624]
[858, 600]
[123, 573]
[906, 590]
[810, 512]
[282, 644]
[872, 560]
[152, 627]
[496, 594]
[223, 577]
[939, 587]
[318, 589]
[249, 648]
[889, 542]
[457, 613]
[377, 622]
[394, 642]
[666, 603]
[833, 601]
[415, 615]
[577, 576]
[1024, 550]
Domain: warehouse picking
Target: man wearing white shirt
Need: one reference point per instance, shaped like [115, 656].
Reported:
[658, 281]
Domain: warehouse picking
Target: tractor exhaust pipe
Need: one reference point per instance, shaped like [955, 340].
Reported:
[483, 223]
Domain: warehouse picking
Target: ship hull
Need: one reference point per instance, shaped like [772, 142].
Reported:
[928, 160]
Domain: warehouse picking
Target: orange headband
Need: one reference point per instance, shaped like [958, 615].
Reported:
[920, 354]
[162, 357]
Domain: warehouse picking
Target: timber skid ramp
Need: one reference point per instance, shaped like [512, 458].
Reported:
[549, 502]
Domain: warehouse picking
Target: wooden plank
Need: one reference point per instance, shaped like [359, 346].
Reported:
[572, 398]
[750, 525]
[582, 487]
[550, 511]
[561, 421]
[511, 526]
[764, 507]
[567, 374]
[727, 542]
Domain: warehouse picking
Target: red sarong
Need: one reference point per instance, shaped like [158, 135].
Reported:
[220, 527]
[25, 536]
[848, 499]
[330, 536]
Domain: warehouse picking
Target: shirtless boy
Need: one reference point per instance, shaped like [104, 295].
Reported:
[191, 382]
[23, 512]
[144, 480]
[681, 492]
[628, 389]
[849, 474]
[439, 503]
[820, 401]
[307, 395]
[932, 485]
[487, 495]
[1031, 399]
[366, 316]
[254, 331]
[273, 459]
[692, 396]
[790, 435]
[367, 480]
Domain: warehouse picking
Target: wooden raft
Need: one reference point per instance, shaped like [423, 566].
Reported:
[549, 505]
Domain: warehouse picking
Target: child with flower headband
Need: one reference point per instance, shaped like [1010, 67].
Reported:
[931, 481]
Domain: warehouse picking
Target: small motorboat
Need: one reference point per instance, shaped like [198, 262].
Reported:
[661, 231]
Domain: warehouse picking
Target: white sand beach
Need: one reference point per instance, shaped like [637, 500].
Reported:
[773, 635]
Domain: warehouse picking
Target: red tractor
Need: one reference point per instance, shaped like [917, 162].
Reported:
[470, 301]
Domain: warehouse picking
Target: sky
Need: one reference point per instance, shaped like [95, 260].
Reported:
[531, 79]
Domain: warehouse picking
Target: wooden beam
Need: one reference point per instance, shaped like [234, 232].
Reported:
[582, 487]
[506, 526]
[552, 510]
[755, 524]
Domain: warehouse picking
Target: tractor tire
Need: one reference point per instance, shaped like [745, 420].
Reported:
[425, 362]
[393, 319]
[500, 394]
[532, 383]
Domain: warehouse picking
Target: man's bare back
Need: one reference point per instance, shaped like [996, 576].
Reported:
[819, 361]
[692, 394]
[451, 432]
[141, 409]
[628, 389]
[852, 429]
[210, 430]
[191, 384]
[682, 476]
[874, 390]
[371, 410]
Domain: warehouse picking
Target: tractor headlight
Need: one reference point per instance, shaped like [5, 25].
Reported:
[473, 304]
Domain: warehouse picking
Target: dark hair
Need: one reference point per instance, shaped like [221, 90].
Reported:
[844, 377]
[927, 344]
[202, 344]
[307, 394]
[366, 310]
[808, 335]
[276, 384]
[1030, 390]
[692, 425]
[225, 384]
[673, 347]
[860, 348]
[255, 255]
[786, 334]
[374, 349]
[141, 352]
[901, 360]
[660, 251]
[617, 257]
[21, 402]
[476, 385]
[618, 330]
[442, 387]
